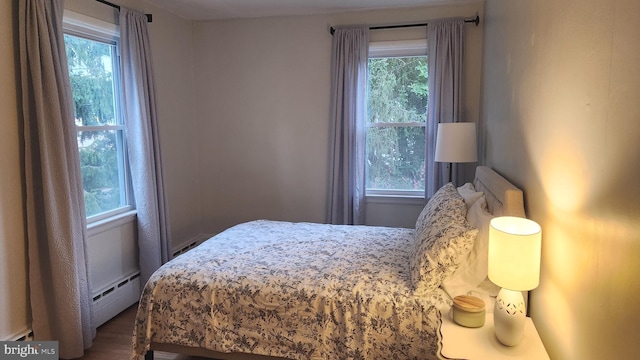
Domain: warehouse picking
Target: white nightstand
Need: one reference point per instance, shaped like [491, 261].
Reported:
[459, 342]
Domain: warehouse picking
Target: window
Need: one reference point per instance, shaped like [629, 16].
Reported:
[94, 71]
[397, 109]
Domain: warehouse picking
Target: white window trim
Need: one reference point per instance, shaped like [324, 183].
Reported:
[396, 48]
[110, 220]
[404, 48]
[74, 22]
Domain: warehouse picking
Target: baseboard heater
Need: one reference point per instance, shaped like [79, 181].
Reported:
[26, 335]
[115, 298]
[184, 249]
[195, 242]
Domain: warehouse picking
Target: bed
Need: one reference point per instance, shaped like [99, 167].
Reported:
[272, 289]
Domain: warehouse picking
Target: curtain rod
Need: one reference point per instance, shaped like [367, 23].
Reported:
[149, 16]
[475, 20]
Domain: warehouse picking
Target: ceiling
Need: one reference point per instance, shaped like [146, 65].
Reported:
[229, 9]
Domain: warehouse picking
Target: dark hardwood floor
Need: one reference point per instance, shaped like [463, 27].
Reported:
[113, 340]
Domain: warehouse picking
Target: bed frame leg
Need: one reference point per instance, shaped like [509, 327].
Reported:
[148, 355]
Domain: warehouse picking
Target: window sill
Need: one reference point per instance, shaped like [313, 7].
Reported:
[396, 200]
[111, 222]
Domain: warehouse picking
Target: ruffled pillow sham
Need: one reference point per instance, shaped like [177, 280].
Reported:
[443, 238]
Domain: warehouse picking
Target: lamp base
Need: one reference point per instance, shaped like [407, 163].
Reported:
[509, 316]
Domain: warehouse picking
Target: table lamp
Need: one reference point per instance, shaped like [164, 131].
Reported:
[456, 143]
[514, 265]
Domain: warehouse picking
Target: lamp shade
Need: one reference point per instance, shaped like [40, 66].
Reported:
[514, 253]
[456, 142]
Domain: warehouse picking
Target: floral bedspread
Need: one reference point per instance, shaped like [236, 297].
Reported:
[293, 290]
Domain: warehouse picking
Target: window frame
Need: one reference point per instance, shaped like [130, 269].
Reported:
[386, 49]
[90, 28]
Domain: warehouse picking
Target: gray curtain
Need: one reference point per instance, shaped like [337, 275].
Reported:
[141, 121]
[60, 293]
[350, 55]
[445, 46]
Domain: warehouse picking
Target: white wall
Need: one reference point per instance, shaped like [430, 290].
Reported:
[562, 119]
[262, 110]
[172, 49]
[262, 97]
[113, 253]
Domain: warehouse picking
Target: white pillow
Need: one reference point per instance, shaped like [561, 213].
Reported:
[473, 270]
[469, 194]
[443, 238]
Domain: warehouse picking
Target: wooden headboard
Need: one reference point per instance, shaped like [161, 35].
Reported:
[503, 198]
